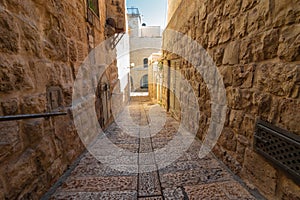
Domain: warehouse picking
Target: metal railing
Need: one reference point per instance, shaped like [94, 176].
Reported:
[30, 116]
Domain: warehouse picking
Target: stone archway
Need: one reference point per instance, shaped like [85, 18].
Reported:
[137, 75]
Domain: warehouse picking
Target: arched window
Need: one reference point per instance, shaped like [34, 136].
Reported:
[145, 62]
[144, 81]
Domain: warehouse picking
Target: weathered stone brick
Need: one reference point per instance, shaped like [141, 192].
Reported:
[29, 11]
[33, 130]
[246, 55]
[228, 139]
[202, 12]
[259, 172]
[277, 80]
[240, 26]
[285, 12]
[10, 107]
[232, 8]
[226, 31]
[240, 151]
[258, 17]
[10, 139]
[290, 189]
[231, 54]
[248, 4]
[210, 22]
[31, 41]
[34, 104]
[257, 48]
[239, 98]
[243, 76]
[21, 172]
[72, 51]
[263, 102]
[271, 42]
[9, 35]
[236, 119]
[15, 75]
[289, 47]
[56, 47]
[248, 127]
[46, 152]
[226, 72]
[289, 114]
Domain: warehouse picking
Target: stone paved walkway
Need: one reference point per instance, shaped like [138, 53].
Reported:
[187, 178]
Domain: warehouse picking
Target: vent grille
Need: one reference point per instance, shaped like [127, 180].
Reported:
[280, 147]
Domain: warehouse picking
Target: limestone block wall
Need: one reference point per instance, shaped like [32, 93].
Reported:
[42, 45]
[172, 7]
[141, 48]
[155, 77]
[255, 45]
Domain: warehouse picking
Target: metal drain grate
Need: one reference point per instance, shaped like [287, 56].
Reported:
[280, 147]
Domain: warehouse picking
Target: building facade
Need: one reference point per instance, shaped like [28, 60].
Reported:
[155, 77]
[144, 40]
[42, 46]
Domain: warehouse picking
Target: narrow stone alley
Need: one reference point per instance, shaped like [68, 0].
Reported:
[189, 177]
[220, 75]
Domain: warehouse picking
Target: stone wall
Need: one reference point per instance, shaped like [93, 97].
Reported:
[42, 45]
[172, 7]
[255, 45]
[155, 77]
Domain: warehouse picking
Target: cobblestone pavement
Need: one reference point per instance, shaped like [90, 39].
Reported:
[189, 177]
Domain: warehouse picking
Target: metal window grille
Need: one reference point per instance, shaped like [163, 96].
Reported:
[280, 147]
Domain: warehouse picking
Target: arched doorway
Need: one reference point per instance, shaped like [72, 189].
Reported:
[144, 82]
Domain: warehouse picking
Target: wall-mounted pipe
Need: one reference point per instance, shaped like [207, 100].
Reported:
[30, 116]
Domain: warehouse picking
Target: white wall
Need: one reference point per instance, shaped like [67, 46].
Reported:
[134, 25]
[123, 61]
[150, 31]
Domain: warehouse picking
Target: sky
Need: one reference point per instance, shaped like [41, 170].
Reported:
[153, 11]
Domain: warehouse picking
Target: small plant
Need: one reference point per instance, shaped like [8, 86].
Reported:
[160, 65]
[93, 6]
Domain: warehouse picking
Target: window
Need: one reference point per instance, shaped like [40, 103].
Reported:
[94, 6]
[145, 62]
[144, 81]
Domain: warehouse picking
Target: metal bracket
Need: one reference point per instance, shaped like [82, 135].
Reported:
[116, 39]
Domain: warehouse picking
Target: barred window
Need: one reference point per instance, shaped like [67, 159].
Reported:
[94, 6]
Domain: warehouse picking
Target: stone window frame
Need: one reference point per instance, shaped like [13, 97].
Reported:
[93, 5]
